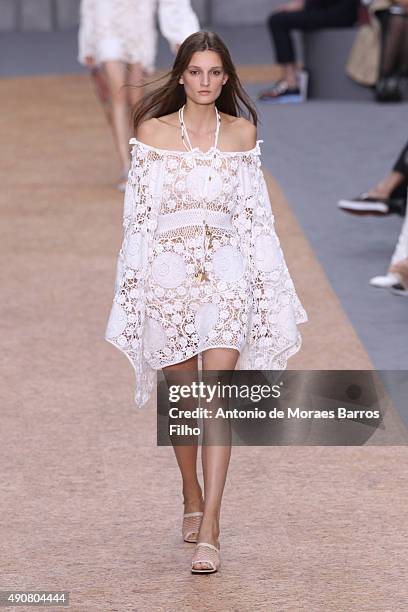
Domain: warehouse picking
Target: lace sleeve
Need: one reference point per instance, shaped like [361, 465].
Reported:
[136, 209]
[276, 309]
[126, 321]
[177, 20]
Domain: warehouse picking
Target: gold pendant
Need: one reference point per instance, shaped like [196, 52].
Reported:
[201, 276]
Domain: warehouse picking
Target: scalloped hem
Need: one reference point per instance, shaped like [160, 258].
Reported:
[199, 352]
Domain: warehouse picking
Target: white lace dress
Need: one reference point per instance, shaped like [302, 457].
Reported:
[125, 30]
[162, 313]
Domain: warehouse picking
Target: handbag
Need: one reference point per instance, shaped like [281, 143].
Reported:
[363, 64]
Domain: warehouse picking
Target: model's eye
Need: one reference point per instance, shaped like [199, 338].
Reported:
[193, 72]
[217, 72]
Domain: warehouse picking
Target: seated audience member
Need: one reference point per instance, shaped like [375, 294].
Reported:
[301, 15]
[389, 196]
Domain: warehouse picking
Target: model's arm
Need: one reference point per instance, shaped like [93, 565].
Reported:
[177, 21]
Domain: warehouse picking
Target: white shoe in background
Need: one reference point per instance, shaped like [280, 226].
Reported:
[385, 282]
[303, 77]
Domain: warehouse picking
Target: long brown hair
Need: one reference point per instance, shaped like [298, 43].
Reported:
[170, 96]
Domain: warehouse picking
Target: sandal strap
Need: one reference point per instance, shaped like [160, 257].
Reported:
[208, 546]
[191, 524]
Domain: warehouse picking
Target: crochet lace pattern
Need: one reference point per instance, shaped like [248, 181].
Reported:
[125, 30]
[161, 315]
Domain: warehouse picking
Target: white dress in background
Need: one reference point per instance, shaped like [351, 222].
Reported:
[125, 30]
[162, 312]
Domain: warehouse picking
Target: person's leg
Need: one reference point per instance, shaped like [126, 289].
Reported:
[400, 254]
[182, 373]
[215, 458]
[390, 184]
[404, 48]
[280, 27]
[135, 81]
[279, 30]
[388, 196]
[395, 184]
[116, 74]
[98, 77]
[392, 35]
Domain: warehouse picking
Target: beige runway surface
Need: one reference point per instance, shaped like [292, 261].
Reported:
[89, 503]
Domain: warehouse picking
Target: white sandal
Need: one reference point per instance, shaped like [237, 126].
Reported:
[191, 525]
[206, 553]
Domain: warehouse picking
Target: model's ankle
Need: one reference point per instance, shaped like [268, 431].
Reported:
[192, 495]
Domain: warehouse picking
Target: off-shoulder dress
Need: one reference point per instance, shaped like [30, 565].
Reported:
[200, 264]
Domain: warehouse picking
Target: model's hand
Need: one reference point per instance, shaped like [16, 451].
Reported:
[293, 5]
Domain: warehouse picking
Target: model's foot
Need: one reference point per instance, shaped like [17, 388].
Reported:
[193, 503]
[209, 533]
[370, 203]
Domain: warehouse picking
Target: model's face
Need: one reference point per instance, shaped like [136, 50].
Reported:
[204, 77]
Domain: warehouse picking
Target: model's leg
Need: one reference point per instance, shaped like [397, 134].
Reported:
[116, 74]
[102, 89]
[215, 459]
[186, 455]
[135, 77]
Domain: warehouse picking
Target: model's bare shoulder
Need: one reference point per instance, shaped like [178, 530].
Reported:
[171, 120]
[161, 132]
[240, 134]
[147, 131]
[246, 132]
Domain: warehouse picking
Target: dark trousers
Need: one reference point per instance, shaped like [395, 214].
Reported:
[401, 165]
[316, 15]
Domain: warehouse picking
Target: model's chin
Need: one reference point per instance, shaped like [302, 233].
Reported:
[209, 98]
